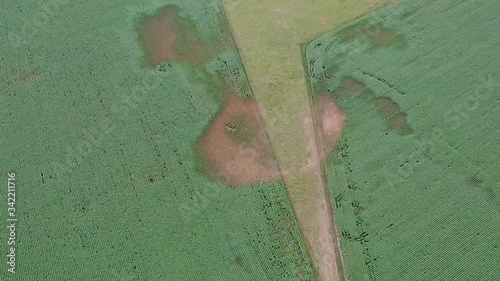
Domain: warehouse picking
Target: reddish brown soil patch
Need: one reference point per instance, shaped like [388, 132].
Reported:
[167, 36]
[390, 111]
[386, 107]
[399, 123]
[331, 120]
[235, 149]
[350, 85]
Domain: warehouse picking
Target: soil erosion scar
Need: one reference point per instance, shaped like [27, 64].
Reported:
[167, 36]
[234, 147]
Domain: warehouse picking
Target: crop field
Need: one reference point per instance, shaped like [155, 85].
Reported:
[130, 128]
[415, 178]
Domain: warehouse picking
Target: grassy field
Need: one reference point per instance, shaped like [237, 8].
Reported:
[415, 179]
[102, 137]
[269, 36]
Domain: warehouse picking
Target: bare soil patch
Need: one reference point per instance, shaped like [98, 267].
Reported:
[399, 123]
[386, 107]
[235, 149]
[167, 36]
[390, 111]
[349, 86]
[332, 121]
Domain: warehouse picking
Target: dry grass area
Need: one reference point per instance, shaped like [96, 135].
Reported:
[270, 36]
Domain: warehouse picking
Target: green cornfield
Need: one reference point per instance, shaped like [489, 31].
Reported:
[415, 178]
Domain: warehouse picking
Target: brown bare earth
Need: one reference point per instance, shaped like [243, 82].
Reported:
[390, 111]
[386, 107]
[167, 36]
[235, 149]
[350, 85]
[331, 120]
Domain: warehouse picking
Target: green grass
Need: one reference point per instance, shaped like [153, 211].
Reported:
[86, 207]
[421, 206]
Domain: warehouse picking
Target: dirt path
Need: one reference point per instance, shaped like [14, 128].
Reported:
[269, 36]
